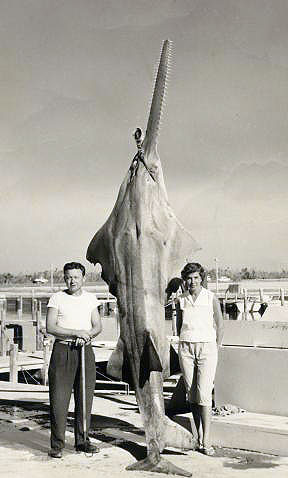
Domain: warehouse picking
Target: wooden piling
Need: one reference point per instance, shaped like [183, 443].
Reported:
[224, 309]
[19, 306]
[174, 316]
[117, 321]
[34, 310]
[3, 338]
[261, 295]
[13, 375]
[46, 358]
[282, 296]
[39, 343]
[102, 310]
[245, 299]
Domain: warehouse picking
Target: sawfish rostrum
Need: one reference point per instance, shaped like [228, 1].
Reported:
[140, 247]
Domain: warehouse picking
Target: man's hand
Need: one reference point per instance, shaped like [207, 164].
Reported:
[84, 335]
[79, 342]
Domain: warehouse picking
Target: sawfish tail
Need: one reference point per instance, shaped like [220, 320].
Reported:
[160, 431]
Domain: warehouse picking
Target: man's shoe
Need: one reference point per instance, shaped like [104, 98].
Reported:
[55, 453]
[208, 451]
[87, 447]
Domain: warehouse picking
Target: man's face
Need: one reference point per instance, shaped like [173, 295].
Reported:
[193, 281]
[74, 280]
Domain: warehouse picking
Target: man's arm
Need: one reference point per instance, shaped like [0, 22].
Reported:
[60, 332]
[218, 319]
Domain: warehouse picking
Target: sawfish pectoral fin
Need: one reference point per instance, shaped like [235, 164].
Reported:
[118, 365]
[149, 361]
[115, 362]
[182, 248]
[99, 252]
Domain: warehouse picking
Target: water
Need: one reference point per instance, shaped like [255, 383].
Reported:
[265, 284]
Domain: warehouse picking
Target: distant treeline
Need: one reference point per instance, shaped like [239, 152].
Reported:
[6, 278]
[246, 273]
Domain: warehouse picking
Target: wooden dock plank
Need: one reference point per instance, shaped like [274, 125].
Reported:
[22, 387]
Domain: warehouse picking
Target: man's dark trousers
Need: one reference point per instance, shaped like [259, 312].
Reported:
[65, 375]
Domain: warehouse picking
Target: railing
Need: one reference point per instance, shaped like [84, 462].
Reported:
[8, 347]
[250, 301]
[8, 321]
[250, 297]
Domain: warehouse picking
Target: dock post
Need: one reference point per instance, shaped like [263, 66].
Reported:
[39, 344]
[261, 296]
[19, 302]
[46, 350]
[117, 321]
[224, 309]
[224, 301]
[282, 296]
[3, 338]
[245, 304]
[13, 375]
[34, 310]
[102, 310]
[107, 304]
[174, 316]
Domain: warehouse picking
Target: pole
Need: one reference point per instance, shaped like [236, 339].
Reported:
[46, 362]
[51, 277]
[245, 298]
[39, 344]
[19, 304]
[13, 375]
[117, 321]
[83, 379]
[224, 307]
[174, 316]
[3, 329]
[261, 296]
[282, 296]
[216, 273]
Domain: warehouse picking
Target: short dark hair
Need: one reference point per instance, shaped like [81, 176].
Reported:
[74, 265]
[193, 267]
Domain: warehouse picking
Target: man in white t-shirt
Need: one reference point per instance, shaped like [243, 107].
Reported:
[73, 319]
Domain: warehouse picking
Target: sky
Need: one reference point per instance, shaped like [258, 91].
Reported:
[77, 79]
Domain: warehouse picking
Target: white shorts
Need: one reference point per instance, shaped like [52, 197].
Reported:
[198, 362]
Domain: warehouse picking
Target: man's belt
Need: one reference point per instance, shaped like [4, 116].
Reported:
[66, 342]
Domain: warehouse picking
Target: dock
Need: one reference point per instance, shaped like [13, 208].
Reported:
[25, 361]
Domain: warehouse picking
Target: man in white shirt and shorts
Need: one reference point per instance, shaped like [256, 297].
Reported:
[73, 319]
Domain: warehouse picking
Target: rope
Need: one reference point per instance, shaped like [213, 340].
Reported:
[33, 378]
[26, 381]
[102, 375]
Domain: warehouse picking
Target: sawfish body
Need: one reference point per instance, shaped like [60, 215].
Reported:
[140, 247]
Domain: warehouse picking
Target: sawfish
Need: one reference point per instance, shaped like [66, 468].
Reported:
[140, 247]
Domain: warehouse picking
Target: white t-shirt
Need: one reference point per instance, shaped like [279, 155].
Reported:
[198, 317]
[74, 311]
